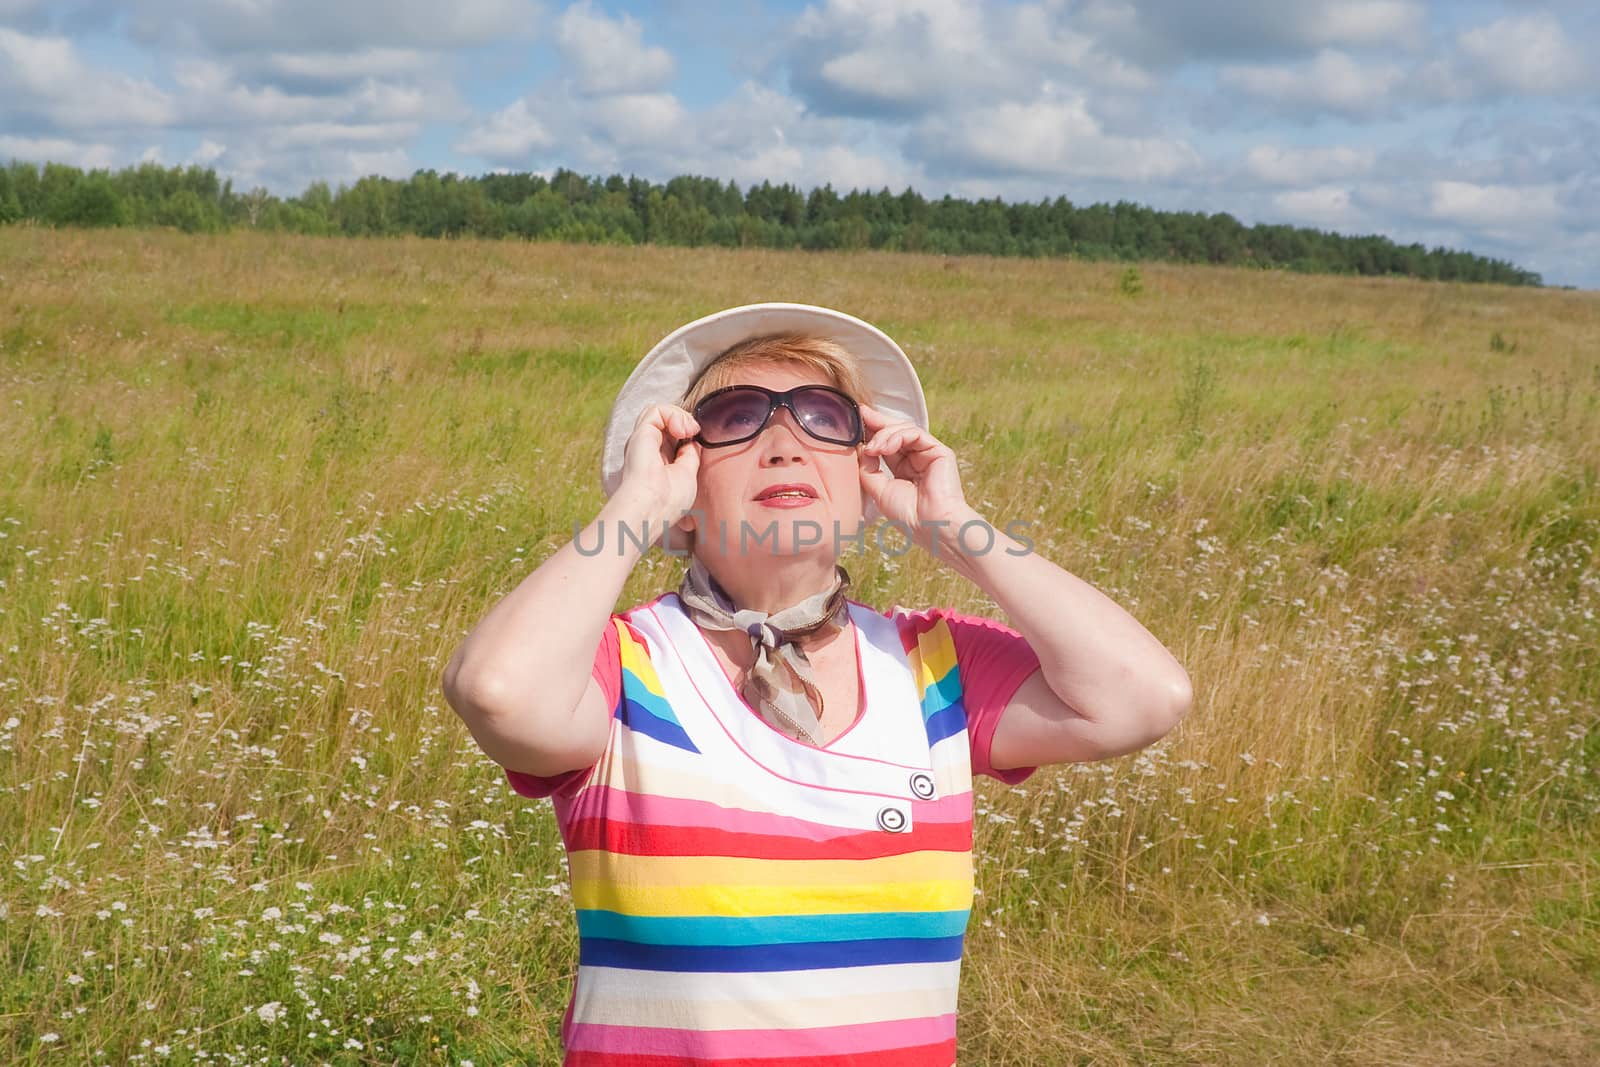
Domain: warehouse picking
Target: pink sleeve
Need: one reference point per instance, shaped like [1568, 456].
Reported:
[607, 671]
[994, 660]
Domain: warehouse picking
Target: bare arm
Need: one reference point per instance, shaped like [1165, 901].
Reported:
[1105, 685]
[521, 678]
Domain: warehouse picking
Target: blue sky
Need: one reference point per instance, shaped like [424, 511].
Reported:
[1468, 124]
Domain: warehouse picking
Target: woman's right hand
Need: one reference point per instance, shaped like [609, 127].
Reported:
[660, 462]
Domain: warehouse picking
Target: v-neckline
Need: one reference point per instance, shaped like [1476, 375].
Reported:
[735, 695]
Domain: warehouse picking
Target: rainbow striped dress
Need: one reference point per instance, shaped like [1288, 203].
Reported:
[744, 898]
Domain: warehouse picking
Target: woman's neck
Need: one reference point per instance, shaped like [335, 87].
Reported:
[738, 650]
[769, 584]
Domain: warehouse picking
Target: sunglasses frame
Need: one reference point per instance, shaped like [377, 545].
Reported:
[783, 399]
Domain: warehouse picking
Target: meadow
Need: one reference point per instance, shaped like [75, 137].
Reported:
[254, 489]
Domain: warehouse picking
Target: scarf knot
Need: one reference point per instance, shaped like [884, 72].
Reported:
[766, 634]
[781, 687]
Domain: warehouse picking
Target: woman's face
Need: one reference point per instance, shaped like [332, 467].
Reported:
[783, 491]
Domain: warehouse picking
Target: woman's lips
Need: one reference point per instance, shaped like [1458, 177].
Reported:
[789, 495]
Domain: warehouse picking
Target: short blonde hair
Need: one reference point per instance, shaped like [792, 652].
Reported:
[801, 349]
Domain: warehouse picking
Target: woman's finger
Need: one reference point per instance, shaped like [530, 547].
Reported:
[907, 439]
[683, 424]
[876, 441]
[686, 456]
[894, 440]
[665, 416]
[650, 414]
[872, 418]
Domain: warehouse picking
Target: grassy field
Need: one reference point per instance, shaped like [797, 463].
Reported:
[253, 491]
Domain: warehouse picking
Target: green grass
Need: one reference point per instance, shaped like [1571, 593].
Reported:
[256, 491]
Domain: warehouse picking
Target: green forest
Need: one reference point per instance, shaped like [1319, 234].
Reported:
[705, 211]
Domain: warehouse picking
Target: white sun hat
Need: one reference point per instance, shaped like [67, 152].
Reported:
[668, 369]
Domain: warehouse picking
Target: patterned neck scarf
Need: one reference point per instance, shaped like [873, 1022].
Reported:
[781, 686]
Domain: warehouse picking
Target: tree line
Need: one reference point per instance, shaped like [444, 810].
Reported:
[705, 211]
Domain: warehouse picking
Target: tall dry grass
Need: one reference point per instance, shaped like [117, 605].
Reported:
[254, 490]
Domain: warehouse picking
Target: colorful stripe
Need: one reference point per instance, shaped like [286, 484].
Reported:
[644, 705]
[725, 909]
[916, 1056]
[618, 895]
[741, 872]
[615, 802]
[933, 659]
[746, 959]
[689, 840]
[713, 930]
[720, 1045]
[751, 1013]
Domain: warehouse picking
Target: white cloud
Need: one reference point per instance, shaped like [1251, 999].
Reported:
[1499, 209]
[59, 150]
[1529, 54]
[757, 116]
[1094, 99]
[209, 152]
[322, 26]
[354, 65]
[1171, 32]
[633, 120]
[510, 135]
[916, 57]
[755, 134]
[848, 168]
[609, 55]
[842, 167]
[1333, 81]
[379, 101]
[643, 132]
[1039, 38]
[868, 75]
[1306, 166]
[268, 162]
[388, 163]
[1057, 137]
[351, 134]
[1364, 22]
[760, 134]
[1324, 206]
[875, 57]
[215, 98]
[44, 77]
[46, 85]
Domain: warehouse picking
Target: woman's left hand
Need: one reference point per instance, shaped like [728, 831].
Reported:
[911, 475]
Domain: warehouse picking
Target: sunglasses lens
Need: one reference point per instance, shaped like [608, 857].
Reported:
[732, 415]
[828, 416]
[739, 413]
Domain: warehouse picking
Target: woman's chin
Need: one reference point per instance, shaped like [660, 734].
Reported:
[782, 534]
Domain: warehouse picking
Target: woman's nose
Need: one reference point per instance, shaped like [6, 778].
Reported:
[781, 440]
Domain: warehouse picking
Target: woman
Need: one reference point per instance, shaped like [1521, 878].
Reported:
[764, 787]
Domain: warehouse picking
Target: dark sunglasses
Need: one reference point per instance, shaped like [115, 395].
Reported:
[737, 413]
